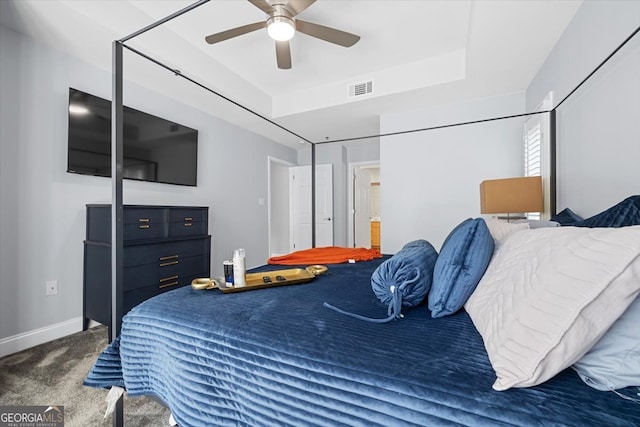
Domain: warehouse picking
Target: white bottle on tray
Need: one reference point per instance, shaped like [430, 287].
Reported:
[239, 268]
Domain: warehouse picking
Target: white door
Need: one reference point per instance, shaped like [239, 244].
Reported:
[361, 208]
[300, 177]
[278, 206]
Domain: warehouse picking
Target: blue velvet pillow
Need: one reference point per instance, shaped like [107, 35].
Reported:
[614, 361]
[401, 281]
[566, 217]
[410, 270]
[624, 214]
[463, 259]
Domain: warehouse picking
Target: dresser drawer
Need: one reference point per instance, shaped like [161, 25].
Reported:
[144, 223]
[136, 296]
[164, 274]
[166, 252]
[138, 223]
[188, 215]
[134, 215]
[144, 231]
[183, 229]
[188, 222]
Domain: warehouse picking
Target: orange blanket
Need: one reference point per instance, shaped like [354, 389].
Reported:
[326, 255]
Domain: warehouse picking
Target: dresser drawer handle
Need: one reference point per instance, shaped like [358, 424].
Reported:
[143, 219]
[166, 285]
[188, 218]
[144, 227]
[164, 258]
[165, 264]
[188, 224]
[166, 279]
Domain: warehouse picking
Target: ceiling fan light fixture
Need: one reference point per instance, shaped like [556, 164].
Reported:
[281, 28]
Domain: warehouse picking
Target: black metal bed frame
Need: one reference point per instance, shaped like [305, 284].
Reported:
[117, 158]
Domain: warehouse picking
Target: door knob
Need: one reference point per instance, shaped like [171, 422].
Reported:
[327, 219]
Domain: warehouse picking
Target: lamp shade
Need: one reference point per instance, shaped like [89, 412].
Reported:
[511, 195]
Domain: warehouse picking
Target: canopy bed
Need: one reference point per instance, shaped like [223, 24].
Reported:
[282, 357]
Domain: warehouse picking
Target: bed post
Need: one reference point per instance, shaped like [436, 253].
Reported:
[553, 164]
[313, 195]
[116, 209]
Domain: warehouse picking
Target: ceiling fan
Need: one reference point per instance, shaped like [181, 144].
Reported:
[281, 25]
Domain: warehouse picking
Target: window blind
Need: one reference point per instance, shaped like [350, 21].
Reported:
[533, 152]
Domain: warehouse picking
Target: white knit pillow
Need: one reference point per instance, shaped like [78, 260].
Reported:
[502, 230]
[548, 295]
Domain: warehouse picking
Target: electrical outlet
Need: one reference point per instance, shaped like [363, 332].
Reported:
[52, 287]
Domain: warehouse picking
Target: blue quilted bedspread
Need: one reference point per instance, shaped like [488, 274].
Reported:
[275, 357]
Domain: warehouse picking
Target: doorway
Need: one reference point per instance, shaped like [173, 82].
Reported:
[300, 185]
[364, 205]
[289, 206]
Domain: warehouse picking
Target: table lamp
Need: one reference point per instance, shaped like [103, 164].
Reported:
[511, 195]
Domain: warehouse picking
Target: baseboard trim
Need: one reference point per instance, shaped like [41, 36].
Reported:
[25, 340]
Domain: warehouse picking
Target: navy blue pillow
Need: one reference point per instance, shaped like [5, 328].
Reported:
[463, 259]
[410, 271]
[401, 281]
[625, 213]
[567, 217]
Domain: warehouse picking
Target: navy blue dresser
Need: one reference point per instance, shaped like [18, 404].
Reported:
[165, 247]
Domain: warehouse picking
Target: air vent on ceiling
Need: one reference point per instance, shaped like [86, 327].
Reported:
[360, 89]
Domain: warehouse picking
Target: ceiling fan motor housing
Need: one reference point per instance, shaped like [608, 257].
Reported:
[280, 24]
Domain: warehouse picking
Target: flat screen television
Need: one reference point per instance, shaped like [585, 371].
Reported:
[154, 149]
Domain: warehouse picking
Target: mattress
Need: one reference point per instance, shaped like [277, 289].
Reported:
[278, 357]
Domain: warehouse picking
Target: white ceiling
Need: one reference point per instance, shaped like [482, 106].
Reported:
[418, 53]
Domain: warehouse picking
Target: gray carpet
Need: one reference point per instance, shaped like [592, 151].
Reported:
[52, 374]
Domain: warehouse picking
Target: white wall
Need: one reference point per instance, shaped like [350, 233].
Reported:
[598, 143]
[430, 180]
[366, 150]
[42, 212]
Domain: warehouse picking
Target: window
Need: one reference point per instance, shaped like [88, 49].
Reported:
[532, 149]
[533, 152]
[535, 145]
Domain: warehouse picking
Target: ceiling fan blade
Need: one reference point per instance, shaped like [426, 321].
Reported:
[283, 55]
[297, 6]
[234, 32]
[263, 5]
[328, 34]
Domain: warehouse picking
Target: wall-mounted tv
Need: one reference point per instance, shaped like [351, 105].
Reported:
[154, 149]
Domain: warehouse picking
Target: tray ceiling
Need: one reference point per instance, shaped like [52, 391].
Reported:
[417, 53]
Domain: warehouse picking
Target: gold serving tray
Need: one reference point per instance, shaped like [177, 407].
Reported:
[317, 269]
[265, 279]
[271, 279]
[204, 283]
